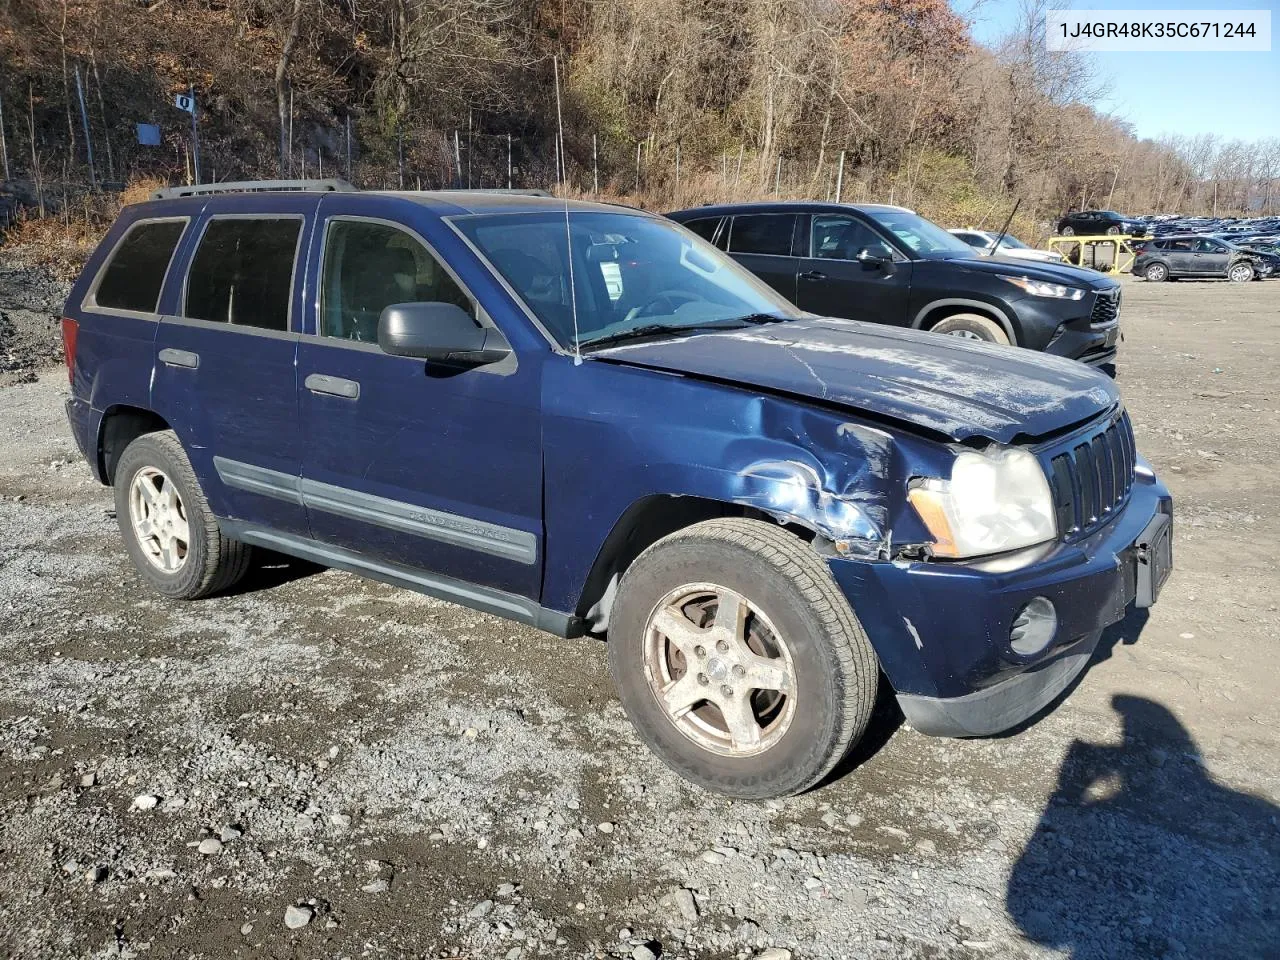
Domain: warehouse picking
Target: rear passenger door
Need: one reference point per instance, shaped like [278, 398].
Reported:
[225, 360]
[764, 244]
[407, 462]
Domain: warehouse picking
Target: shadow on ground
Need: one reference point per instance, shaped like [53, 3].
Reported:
[1140, 853]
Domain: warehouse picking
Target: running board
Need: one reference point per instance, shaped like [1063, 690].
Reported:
[485, 599]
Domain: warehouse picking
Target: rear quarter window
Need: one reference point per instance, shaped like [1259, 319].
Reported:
[133, 276]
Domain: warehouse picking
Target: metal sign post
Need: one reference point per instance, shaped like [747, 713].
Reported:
[187, 102]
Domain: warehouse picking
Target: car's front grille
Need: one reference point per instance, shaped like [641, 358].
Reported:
[1106, 309]
[1092, 480]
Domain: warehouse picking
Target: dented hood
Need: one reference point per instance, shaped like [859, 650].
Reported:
[959, 388]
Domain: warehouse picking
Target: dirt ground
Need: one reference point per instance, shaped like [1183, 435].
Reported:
[396, 776]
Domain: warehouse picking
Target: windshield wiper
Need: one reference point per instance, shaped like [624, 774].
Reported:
[660, 329]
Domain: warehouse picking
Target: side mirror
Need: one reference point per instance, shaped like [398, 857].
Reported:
[440, 332]
[875, 261]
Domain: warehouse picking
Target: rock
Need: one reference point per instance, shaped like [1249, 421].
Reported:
[377, 886]
[506, 889]
[712, 857]
[96, 874]
[246, 929]
[88, 780]
[71, 866]
[643, 952]
[230, 832]
[297, 916]
[774, 953]
[926, 846]
[481, 910]
[210, 846]
[605, 827]
[330, 923]
[683, 901]
[145, 801]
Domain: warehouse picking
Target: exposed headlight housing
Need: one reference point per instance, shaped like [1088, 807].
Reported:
[1042, 288]
[996, 500]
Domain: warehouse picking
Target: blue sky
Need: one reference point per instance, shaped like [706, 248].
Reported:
[1235, 95]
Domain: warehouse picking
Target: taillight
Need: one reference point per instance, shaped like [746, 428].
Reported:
[69, 331]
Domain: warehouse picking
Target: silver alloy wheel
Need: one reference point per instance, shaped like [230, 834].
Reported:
[1068, 232]
[159, 519]
[965, 334]
[1240, 273]
[719, 670]
[1156, 272]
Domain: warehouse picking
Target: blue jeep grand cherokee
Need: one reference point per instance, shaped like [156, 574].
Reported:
[585, 418]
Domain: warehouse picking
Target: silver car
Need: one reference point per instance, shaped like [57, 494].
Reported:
[984, 241]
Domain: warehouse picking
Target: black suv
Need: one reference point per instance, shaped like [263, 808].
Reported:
[889, 265]
[1092, 223]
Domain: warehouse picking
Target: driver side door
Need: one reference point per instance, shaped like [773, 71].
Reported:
[404, 461]
[1209, 258]
[852, 272]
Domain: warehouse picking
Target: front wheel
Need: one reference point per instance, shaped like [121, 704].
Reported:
[1156, 272]
[1240, 273]
[1068, 232]
[739, 661]
[972, 326]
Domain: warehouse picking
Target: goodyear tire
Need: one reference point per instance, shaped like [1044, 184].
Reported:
[739, 661]
[168, 529]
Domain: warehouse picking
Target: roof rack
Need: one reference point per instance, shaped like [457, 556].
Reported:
[253, 186]
[515, 192]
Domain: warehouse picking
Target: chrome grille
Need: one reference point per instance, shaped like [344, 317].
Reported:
[1093, 479]
[1106, 309]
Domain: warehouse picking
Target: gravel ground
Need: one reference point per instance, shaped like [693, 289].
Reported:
[318, 765]
[30, 306]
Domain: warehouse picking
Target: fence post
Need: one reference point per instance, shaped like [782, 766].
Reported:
[677, 174]
[595, 167]
[638, 144]
[400, 155]
[560, 158]
[457, 157]
[348, 146]
[737, 175]
[777, 179]
[84, 120]
[840, 177]
[4, 146]
[508, 161]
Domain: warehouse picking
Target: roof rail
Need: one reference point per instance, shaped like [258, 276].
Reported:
[253, 186]
[516, 192]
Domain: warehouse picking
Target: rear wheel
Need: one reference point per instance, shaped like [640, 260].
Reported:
[1156, 272]
[971, 326]
[1068, 232]
[1113, 231]
[1240, 272]
[739, 661]
[169, 531]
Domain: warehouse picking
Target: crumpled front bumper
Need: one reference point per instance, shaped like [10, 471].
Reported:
[941, 630]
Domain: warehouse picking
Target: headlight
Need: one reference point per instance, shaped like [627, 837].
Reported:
[1040, 288]
[996, 500]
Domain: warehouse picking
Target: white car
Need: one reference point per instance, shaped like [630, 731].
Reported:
[984, 240]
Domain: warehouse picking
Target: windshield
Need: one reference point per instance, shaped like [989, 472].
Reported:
[923, 237]
[630, 273]
[1014, 242]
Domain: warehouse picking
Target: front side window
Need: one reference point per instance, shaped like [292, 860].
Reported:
[1210, 246]
[242, 272]
[370, 266]
[629, 272]
[1179, 246]
[922, 237]
[132, 279]
[840, 237]
[767, 233]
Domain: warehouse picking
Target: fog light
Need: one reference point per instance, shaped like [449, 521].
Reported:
[1033, 628]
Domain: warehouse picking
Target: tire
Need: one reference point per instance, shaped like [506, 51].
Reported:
[185, 556]
[1240, 272]
[1067, 232]
[971, 326]
[792, 608]
[1156, 272]
[1113, 231]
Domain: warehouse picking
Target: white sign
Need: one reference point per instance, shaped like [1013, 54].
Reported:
[185, 102]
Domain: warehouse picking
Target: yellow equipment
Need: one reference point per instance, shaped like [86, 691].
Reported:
[1118, 260]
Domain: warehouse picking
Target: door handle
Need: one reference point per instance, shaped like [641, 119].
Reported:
[179, 358]
[813, 275]
[333, 386]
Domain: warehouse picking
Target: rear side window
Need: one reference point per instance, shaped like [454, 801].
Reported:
[242, 272]
[768, 233]
[133, 276]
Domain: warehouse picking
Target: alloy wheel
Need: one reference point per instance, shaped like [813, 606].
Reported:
[159, 519]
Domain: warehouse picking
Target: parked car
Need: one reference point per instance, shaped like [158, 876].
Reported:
[984, 242]
[886, 264]
[1196, 256]
[1090, 223]
[764, 511]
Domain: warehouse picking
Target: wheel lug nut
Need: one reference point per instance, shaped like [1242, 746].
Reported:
[702, 679]
[727, 690]
[700, 651]
[722, 646]
[739, 671]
